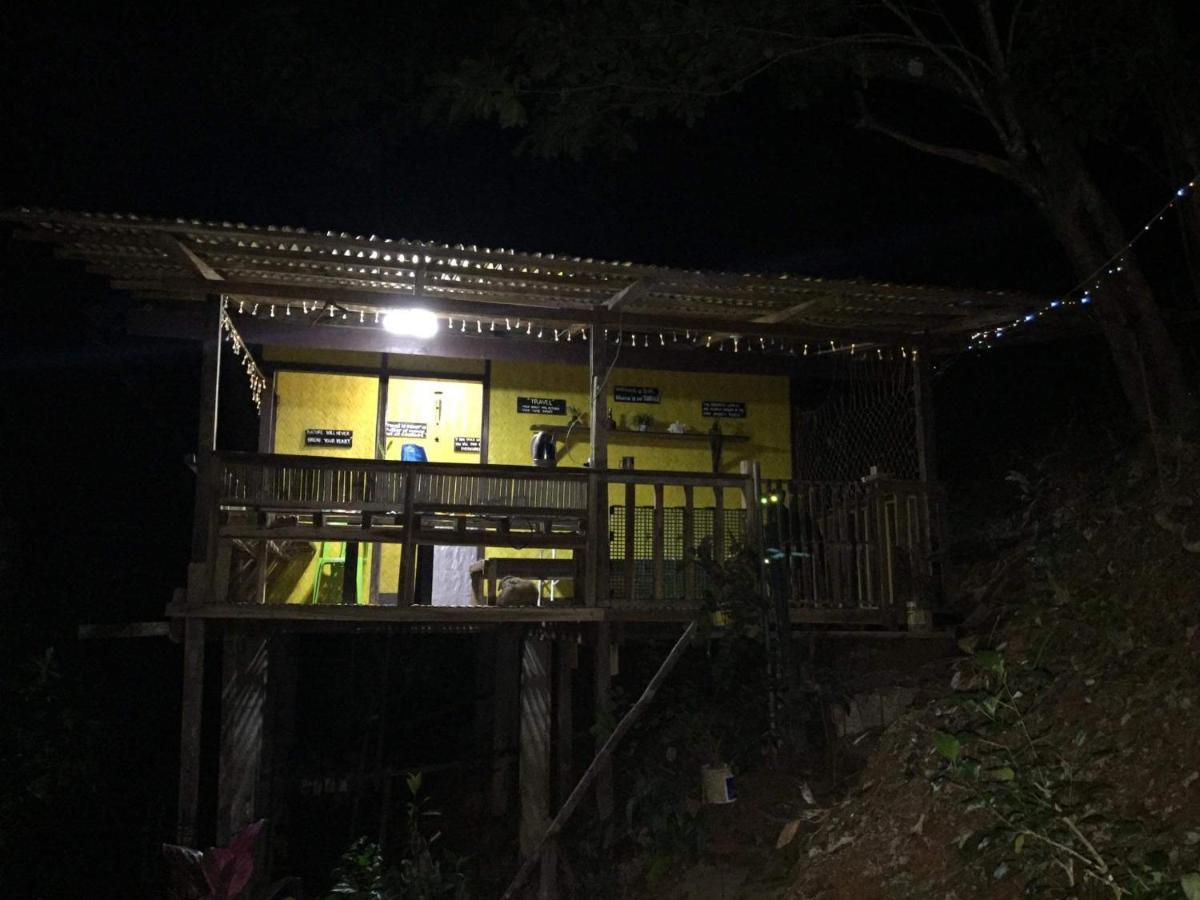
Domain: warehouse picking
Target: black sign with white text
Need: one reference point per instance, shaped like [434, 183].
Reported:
[467, 445]
[723, 409]
[328, 437]
[632, 394]
[544, 405]
[405, 429]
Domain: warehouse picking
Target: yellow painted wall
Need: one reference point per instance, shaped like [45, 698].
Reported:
[766, 423]
[306, 400]
[322, 400]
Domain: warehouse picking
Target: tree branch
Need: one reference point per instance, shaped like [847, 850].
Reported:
[975, 158]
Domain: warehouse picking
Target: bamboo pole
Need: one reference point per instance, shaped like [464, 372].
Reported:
[603, 756]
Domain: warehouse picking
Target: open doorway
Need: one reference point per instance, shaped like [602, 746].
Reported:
[442, 421]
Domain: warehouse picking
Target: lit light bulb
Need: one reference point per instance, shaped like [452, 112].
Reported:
[420, 323]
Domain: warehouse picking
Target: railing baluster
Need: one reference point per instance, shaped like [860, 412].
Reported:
[657, 548]
[689, 544]
[630, 513]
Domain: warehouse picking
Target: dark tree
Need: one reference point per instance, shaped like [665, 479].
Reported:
[1016, 89]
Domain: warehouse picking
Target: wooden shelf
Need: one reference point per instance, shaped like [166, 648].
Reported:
[715, 440]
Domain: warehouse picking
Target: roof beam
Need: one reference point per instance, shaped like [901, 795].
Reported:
[628, 294]
[183, 253]
[783, 315]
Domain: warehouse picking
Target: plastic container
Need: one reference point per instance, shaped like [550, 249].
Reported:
[412, 453]
[718, 785]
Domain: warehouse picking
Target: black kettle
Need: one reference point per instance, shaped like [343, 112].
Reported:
[542, 449]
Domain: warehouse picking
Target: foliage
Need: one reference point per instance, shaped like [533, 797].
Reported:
[220, 873]
[425, 872]
[362, 875]
[713, 709]
[1044, 797]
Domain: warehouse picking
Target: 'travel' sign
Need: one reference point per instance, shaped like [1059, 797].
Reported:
[328, 437]
[405, 429]
[633, 394]
[467, 445]
[723, 409]
[544, 405]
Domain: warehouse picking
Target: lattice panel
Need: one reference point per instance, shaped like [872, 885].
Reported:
[674, 558]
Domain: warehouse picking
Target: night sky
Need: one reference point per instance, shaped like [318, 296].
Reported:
[161, 109]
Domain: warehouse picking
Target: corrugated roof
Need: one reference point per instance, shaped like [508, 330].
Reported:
[189, 258]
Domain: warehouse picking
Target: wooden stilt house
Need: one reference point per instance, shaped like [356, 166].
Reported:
[399, 385]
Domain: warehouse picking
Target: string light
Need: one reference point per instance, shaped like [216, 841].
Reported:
[241, 351]
[1080, 294]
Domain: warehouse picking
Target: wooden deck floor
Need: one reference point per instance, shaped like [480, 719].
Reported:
[492, 615]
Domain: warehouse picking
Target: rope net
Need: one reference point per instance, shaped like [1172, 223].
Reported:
[863, 418]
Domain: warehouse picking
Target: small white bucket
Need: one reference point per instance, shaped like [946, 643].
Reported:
[718, 784]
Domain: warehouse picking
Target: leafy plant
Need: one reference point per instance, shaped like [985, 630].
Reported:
[1044, 803]
[423, 873]
[220, 873]
[362, 875]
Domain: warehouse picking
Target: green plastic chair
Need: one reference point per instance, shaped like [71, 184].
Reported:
[331, 567]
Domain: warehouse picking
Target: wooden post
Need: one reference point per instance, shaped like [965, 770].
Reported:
[534, 771]
[279, 729]
[206, 443]
[602, 656]
[189, 731]
[923, 404]
[564, 720]
[689, 544]
[504, 722]
[243, 708]
[595, 567]
[191, 705]
[920, 619]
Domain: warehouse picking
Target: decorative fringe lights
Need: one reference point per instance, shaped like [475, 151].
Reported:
[524, 330]
[1081, 293]
[258, 381]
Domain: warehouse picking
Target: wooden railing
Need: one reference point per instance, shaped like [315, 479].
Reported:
[868, 545]
[641, 539]
[667, 528]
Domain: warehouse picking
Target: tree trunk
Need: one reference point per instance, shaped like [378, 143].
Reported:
[1146, 359]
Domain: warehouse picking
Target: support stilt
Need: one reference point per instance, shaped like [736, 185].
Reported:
[243, 709]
